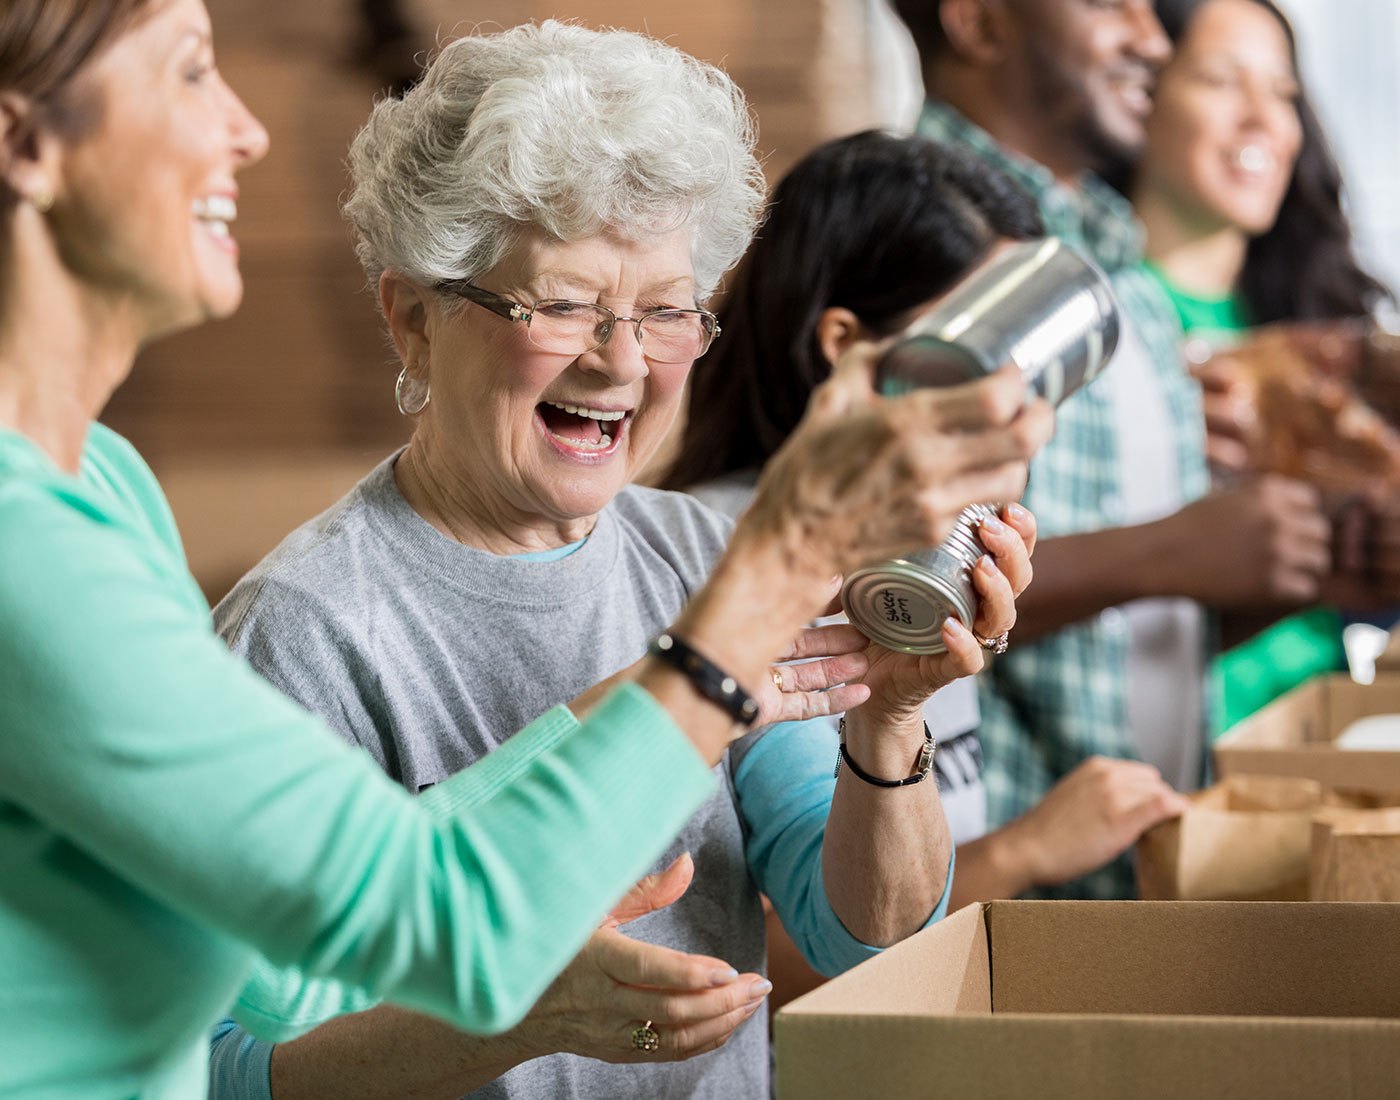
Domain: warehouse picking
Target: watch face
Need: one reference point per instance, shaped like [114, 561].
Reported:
[925, 764]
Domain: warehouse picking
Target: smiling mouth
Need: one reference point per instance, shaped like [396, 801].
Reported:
[582, 427]
[1135, 89]
[215, 212]
[1253, 160]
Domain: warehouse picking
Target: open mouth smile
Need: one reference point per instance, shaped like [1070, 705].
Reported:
[215, 213]
[581, 431]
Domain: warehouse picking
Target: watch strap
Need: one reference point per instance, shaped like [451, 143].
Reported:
[923, 766]
[706, 677]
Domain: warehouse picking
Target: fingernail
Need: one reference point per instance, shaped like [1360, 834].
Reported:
[986, 564]
[723, 975]
[992, 524]
[760, 988]
[1015, 511]
[955, 625]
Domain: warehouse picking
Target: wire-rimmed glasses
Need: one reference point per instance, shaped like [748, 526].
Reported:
[576, 328]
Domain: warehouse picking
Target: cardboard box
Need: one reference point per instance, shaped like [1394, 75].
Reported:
[1060, 1000]
[1248, 838]
[1293, 735]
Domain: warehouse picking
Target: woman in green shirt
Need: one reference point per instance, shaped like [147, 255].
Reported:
[166, 816]
[1241, 202]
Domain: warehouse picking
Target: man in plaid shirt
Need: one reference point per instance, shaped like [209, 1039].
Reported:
[1109, 654]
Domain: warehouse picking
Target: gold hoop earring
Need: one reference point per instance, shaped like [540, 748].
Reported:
[410, 394]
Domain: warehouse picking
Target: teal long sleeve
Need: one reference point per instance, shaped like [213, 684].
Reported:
[166, 816]
[280, 1003]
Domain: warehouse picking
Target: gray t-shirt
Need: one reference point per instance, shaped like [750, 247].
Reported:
[952, 713]
[429, 654]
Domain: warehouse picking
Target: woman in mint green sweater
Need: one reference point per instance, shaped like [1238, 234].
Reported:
[166, 817]
[1241, 202]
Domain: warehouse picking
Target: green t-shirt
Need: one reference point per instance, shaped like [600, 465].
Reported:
[1202, 316]
[166, 816]
[1294, 649]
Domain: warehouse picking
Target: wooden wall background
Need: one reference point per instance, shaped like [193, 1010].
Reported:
[256, 423]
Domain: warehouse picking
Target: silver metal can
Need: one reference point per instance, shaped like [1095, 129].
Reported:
[1038, 304]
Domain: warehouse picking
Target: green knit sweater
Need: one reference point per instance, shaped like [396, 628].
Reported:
[166, 816]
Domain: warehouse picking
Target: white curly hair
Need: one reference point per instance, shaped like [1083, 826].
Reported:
[570, 130]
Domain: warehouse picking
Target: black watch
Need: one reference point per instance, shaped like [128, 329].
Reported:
[923, 766]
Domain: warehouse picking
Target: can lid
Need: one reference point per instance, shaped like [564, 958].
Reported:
[902, 606]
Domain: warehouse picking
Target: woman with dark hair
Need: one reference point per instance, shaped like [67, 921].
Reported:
[166, 816]
[1237, 186]
[1242, 203]
[864, 233]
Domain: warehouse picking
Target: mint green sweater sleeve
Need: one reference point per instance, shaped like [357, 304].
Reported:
[280, 1003]
[131, 734]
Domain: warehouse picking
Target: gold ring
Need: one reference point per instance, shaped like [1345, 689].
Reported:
[646, 1039]
[777, 675]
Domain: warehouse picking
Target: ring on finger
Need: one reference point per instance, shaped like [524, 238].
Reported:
[777, 675]
[996, 644]
[646, 1038]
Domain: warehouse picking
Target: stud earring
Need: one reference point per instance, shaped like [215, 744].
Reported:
[42, 200]
[410, 394]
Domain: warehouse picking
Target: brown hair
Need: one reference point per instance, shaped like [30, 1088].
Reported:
[44, 44]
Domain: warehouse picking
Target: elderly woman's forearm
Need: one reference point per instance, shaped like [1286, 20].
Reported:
[391, 1054]
[886, 852]
[885, 860]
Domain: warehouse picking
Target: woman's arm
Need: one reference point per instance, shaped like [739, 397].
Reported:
[387, 1052]
[785, 786]
[886, 849]
[133, 733]
[1088, 818]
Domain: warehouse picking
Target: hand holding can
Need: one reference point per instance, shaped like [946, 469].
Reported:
[1039, 305]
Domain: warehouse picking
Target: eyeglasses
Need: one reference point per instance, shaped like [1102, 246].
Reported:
[576, 328]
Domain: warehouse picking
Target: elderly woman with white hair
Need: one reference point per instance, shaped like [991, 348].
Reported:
[544, 216]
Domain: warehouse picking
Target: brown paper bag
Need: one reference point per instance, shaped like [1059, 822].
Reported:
[1361, 800]
[1323, 397]
[1245, 839]
[1355, 855]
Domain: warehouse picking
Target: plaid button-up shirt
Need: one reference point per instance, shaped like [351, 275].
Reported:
[1049, 704]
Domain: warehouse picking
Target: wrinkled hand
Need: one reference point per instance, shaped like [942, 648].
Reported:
[694, 1002]
[1261, 544]
[1090, 816]
[835, 660]
[901, 682]
[864, 477]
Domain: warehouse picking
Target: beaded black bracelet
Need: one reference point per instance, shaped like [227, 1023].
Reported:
[709, 679]
[922, 767]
